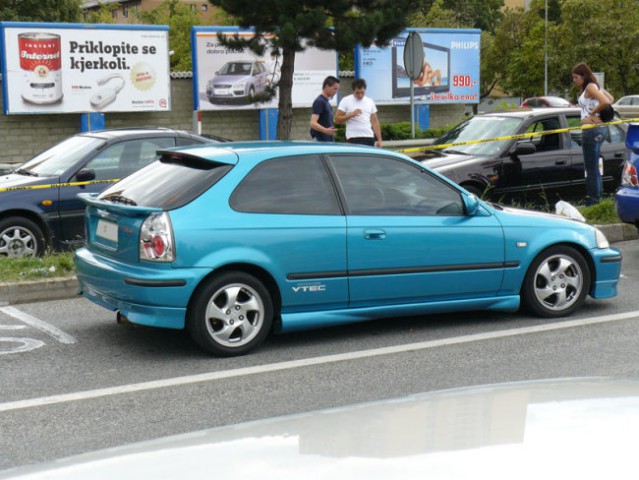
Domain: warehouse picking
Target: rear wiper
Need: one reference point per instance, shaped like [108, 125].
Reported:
[24, 171]
[119, 199]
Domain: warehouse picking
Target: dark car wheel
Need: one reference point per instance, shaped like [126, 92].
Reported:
[231, 314]
[20, 237]
[557, 282]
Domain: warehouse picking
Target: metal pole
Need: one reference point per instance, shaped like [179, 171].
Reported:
[546, 52]
[412, 109]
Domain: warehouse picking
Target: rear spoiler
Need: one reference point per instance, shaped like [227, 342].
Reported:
[91, 199]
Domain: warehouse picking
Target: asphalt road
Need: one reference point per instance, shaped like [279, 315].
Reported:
[75, 381]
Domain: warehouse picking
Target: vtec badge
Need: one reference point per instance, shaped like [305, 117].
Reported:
[309, 288]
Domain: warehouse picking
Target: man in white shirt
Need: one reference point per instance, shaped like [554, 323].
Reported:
[360, 115]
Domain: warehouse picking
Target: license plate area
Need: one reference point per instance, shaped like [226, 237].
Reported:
[107, 230]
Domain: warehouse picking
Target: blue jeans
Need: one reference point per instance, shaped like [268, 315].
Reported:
[591, 140]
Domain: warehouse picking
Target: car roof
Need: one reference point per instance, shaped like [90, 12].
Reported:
[257, 151]
[527, 111]
[546, 96]
[112, 133]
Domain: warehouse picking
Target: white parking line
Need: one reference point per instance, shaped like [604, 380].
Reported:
[275, 367]
[56, 333]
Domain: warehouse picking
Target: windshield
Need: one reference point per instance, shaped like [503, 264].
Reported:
[235, 68]
[59, 158]
[477, 128]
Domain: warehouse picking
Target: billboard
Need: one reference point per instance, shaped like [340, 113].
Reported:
[450, 73]
[66, 68]
[227, 79]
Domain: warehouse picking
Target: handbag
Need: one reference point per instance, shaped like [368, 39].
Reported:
[607, 113]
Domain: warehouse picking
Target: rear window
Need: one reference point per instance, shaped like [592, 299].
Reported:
[168, 183]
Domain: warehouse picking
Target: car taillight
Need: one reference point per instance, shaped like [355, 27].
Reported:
[156, 238]
[629, 176]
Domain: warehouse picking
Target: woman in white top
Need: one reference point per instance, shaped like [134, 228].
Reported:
[592, 100]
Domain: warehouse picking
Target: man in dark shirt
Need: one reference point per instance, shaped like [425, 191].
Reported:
[322, 128]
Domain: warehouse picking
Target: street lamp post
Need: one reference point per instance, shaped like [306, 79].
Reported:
[546, 51]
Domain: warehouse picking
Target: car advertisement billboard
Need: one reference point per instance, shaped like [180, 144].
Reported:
[227, 79]
[450, 73]
[65, 68]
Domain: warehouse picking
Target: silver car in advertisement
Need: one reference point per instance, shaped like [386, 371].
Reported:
[238, 82]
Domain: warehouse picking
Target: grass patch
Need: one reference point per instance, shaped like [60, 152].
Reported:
[601, 214]
[52, 265]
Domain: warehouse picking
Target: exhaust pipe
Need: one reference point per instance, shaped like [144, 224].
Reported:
[121, 319]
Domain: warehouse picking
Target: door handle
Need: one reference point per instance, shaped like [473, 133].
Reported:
[560, 162]
[374, 234]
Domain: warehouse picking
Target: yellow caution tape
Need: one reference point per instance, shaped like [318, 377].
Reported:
[406, 150]
[57, 185]
[513, 137]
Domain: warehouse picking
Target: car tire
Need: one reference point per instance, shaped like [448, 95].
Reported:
[557, 282]
[21, 237]
[251, 94]
[231, 314]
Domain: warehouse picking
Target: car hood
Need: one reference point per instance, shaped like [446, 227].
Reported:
[15, 180]
[228, 78]
[570, 428]
[444, 160]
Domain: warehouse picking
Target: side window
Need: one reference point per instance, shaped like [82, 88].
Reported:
[625, 101]
[378, 185]
[184, 141]
[105, 163]
[149, 148]
[575, 135]
[124, 158]
[288, 185]
[615, 134]
[549, 142]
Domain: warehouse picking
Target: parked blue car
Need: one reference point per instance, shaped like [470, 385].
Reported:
[627, 196]
[39, 208]
[235, 241]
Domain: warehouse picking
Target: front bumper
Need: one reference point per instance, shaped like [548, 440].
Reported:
[607, 264]
[150, 295]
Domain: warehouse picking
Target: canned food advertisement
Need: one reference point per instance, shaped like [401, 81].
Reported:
[47, 68]
[227, 78]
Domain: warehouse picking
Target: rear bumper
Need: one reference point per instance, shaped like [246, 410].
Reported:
[607, 272]
[627, 204]
[150, 296]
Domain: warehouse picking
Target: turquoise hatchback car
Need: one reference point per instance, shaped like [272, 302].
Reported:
[238, 240]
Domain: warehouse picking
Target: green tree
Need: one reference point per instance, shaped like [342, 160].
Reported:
[67, 11]
[103, 14]
[605, 35]
[180, 18]
[482, 14]
[296, 24]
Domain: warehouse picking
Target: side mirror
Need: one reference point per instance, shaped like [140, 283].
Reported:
[471, 204]
[524, 148]
[85, 175]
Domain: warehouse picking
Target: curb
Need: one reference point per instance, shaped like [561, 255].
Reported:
[38, 290]
[63, 288]
[619, 232]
